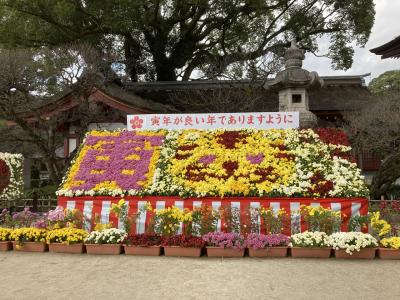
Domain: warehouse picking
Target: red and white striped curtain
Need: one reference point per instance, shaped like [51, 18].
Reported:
[99, 205]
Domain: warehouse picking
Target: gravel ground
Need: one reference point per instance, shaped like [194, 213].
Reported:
[66, 276]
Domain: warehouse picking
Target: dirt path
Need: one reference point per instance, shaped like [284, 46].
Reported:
[58, 276]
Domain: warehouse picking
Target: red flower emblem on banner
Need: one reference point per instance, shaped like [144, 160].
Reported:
[136, 122]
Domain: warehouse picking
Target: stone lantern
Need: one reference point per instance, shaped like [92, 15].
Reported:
[293, 83]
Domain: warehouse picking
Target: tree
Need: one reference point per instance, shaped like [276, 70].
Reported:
[170, 39]
[386, 84]
[376, 128]
[30, 79]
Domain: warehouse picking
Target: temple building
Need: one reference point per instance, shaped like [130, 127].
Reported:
[321, 100]
[389, 50]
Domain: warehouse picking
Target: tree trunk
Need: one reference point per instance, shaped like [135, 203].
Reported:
[165, 72]
[386, 176]
[52, 168]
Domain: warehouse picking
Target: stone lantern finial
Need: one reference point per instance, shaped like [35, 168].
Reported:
[294, 56]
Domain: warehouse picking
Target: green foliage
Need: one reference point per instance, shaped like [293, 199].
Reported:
[386, 84]
[173, 38]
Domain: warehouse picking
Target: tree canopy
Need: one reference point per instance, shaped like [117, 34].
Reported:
[386, 84]
[30, 81]
[376, 128]
[177, 39]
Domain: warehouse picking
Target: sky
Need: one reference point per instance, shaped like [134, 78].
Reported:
[386, 27]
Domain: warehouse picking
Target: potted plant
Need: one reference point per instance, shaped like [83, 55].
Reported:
[29, 239]
[221, 244]
[318, 218]
[143, 244]
[353, 245]
[270, 245]
[183, 245]
[271, 221]
[167, 221]
[310, 245]
[108, 241]
[390, 248]
[5, 244]
[66, 240]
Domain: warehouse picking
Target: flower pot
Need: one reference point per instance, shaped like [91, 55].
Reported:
[5, 246]
[305, 252]
[268, 252]
[366, 253]
[224, 252]
[64, 248]
[141, 250]
[115, 249]
[29, 246]
[182, 251]
[388, 253]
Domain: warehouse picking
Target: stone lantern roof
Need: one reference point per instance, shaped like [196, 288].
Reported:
[294, 76]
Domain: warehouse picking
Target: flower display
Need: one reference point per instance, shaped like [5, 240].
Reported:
[11, 176]
[113, 163]
[67, 236]
[184, 241]
[392, 243]
[224, 240]
[262, 241]
[22, 235]
[351, 241]
[309, 239]
[107, 236]
[5, 234]
[197, 163]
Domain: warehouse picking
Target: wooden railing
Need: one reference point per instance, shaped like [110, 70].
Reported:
[43, 205]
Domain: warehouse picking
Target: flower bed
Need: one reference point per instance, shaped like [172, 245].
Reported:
[182, 245]
[310, 245]
[143, 244]
[66, 240]
[5, 244]
[390, 248]
[271, 245]
[221, 244]
[196, 163]
[353, 245]
[108, 241]
[29, 239]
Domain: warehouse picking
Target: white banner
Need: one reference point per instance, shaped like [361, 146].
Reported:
[256, 120]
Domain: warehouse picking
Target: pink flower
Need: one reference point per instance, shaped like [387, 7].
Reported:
[136, 122]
